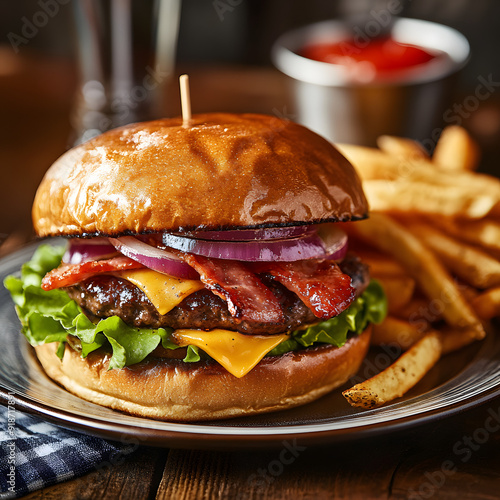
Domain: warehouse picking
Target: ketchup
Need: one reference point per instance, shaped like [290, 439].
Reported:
[380, 56]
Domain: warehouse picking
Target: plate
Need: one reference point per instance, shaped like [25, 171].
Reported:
[459, 381]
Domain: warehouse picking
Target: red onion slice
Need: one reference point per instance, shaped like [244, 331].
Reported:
[335, 241]
[154, 258]
[308, 246]
[85, 250]
[267, 233]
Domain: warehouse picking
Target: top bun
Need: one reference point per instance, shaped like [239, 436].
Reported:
[223, 171]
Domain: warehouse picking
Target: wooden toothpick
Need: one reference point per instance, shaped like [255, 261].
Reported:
[185, 100]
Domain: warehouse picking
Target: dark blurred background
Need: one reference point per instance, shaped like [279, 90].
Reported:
[225, 46]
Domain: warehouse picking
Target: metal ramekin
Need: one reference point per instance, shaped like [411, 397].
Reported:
[330, 102]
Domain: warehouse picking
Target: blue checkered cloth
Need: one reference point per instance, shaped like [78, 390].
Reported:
[35, 454]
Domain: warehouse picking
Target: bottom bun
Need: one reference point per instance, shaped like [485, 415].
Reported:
[174, 390]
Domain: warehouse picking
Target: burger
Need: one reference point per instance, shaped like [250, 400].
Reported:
[206, 272]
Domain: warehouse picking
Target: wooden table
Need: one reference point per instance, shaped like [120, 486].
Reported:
[453, 458]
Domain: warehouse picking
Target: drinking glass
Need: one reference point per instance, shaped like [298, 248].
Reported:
[126, 52]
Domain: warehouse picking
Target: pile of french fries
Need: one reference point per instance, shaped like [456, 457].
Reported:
[433, 241]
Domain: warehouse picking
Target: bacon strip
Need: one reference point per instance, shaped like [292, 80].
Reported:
[246, 296]
[320, 284]
[70, 274]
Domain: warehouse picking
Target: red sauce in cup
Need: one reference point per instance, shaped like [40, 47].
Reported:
[376, 57]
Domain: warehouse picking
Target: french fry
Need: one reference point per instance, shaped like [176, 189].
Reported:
[399, 291]
[469, 293]
[473, 266]
[417, 197]
[373, 164]
[381, 265]
[453, 339]
[449, 223]
[484, 233]
[487, 305]
[396, 332]
[398, 378]
[402, 147]
[420, 312]
[456, 150]
[420, 263]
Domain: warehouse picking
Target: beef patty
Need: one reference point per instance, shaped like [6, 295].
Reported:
[104, 295]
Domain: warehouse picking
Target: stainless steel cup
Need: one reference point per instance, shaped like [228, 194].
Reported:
[328, 100]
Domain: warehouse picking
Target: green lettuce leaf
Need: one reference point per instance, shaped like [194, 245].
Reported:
[50, 316]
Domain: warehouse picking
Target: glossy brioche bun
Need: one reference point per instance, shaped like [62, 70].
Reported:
[223, 171]
[173, 390]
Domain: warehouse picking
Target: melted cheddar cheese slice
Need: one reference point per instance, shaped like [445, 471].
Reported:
[236, 352]
[165, 292]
